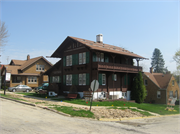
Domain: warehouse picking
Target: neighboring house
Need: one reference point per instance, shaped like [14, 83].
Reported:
[82, 61]
[28, 72]
[160, 87]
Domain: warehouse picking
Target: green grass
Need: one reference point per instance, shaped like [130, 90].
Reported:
[74, 111]
[11, 97]
[155, 108]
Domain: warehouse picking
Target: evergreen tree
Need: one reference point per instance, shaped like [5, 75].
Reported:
[157, 61]
[138, 92]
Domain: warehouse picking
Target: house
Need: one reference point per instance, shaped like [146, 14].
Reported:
[28, 72]
[83, 61]
[160, 87]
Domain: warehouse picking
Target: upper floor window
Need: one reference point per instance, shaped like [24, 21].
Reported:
[55, 79]
[82, 58]
[172, 82]
[114, 77]
[39, 67]
[32, 79]
[102, 57]
[69, 60]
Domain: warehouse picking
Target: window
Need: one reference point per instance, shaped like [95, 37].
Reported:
[103, 79]
[124, 94]
[98, 57]
[69, 60]
[82, 58]
[158, 94]
[145, 82]
[69, 79]
[173, 83]
[176, 94]
[32, 79]
[16, 79]
[39, 67]
[82, 79]
[55, 79]
[170, 94]
[115, 77]
[102, 57]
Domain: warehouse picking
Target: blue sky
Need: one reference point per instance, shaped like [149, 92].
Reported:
[39, 27]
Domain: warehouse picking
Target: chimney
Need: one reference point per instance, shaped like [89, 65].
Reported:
[28, 57]
[99, 38]
[151, 69]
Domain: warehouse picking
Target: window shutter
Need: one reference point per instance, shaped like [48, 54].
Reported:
[87, 79]
[50, 79]
[76, 59]
[77, 79]
[87, 57]
[73, 59]
[73, 79]
[128, 80]
[100, 79]
[64, 79]
[125, 80]
[94, 57]
[106, 57]
[64, 61]
[59, 79]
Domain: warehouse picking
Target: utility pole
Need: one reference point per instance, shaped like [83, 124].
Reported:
[5, 82]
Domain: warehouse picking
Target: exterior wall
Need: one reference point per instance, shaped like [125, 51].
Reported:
[173, 88]
[32, 68]
[152, 92]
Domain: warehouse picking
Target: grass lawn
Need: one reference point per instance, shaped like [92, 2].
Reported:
[74, 112]
[155, 108]
[11, 97]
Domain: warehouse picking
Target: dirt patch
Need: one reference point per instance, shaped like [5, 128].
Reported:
[113, 113]
[98, 112]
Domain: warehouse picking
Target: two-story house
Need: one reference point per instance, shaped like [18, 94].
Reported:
[83, 61]
[28, 72]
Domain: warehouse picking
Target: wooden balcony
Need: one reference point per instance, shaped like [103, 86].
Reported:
[102, 66]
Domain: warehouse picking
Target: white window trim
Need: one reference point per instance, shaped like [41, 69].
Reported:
[32, 79]
[82, 79]
[69, 79]
[69, 60]
[104, 76]
[55, 79]
[80, 58]
[145, 82]
[158, 93]
[39, 67]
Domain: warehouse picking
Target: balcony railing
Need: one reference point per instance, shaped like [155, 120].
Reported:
[116, 67]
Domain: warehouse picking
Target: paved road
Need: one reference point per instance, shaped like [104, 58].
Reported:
[18, 118]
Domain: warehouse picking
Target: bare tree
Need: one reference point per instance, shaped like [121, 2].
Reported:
[3, 34]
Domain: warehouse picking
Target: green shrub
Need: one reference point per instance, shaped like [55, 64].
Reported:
[139, 90]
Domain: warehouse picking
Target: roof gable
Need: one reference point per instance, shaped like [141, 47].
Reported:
[95, 46]
[33, 60]
[160, 79]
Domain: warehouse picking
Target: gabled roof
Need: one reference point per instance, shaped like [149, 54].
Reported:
[95, 46]
[12, 69]
[160, 79]
[31, 61]
[17, 62]
[57, 64]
